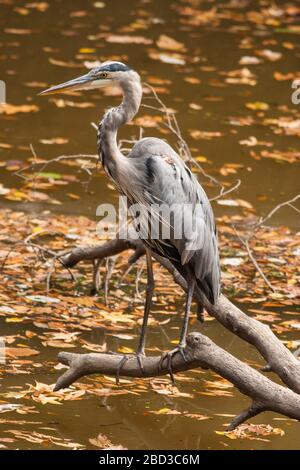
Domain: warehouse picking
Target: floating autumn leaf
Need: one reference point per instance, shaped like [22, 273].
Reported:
[22, 11]
[201, 158]
[44, 394]
[18, 31]
[125, 350]
[103, 442]
[197, 17]
[165, 411]
[235, 203]
[196, 416]
[195, 106]
[14, 165]
[6, 309]
[252, 142]
[100, 348]
[269, 55]
[230, 168]
[253, 432]
[162, 387]
[49, 175]
[122, 39]
[148, 121]
[87, 50]
[232, 261]
[43, 439]
[240, 77]
[258, 106]
[289, 157]
[4, 145]
[74, 196]
[291, 324]
[204, 135]
[10, 109]
[192, 80]
[3, 190]
[62, 63]
[249, 60]
[173, 59]
[122, 336]
[20, 352]
[290, 126]
[220, 383]
[54, 140]
[170, 44]
[5, 407]
[286, 76]
[61, 103]
[99, 4]
[39, 6]
[14, 319]
[42, 299]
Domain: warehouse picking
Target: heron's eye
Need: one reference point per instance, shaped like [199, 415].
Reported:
[103, 75]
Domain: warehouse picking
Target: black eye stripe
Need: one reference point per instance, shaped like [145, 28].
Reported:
[114, 67]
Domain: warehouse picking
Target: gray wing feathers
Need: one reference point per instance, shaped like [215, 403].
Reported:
[161, 177]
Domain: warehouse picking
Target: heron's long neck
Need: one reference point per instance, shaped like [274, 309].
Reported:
[110, 155]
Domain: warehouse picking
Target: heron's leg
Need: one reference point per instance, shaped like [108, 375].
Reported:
[182, 341]
[189, 298]
[149, 294]
[148, 303]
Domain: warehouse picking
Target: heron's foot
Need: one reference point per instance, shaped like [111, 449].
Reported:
[139, 355]
[168, 356]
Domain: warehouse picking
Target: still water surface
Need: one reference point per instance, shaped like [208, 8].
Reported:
[65, 32]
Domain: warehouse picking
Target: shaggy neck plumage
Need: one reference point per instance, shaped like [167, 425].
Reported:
[109, 153]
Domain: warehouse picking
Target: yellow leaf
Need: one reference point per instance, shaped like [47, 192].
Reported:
[164, 411]
[86, 50]
[258, 106]
[125, 350]
[174, 341]
[201, 158]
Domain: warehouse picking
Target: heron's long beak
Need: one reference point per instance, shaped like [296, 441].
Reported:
[80, 83]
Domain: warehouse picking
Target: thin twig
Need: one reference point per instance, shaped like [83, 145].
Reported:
[258, 268]
[279, 206]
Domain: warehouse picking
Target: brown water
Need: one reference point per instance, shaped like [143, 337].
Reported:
[59, 33]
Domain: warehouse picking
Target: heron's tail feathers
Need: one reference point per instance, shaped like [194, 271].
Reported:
[210, 289]
[208, 283]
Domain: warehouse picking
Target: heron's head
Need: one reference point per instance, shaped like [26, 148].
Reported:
[107, 74]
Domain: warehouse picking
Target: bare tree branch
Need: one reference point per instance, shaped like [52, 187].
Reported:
[200, 351]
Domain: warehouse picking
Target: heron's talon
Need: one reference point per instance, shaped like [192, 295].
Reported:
[120, 367]
[169, 356]
[139, 357]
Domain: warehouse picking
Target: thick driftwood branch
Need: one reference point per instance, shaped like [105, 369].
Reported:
[279, 359]
[200, 352]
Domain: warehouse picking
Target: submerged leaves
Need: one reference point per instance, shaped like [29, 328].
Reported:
[253, 432]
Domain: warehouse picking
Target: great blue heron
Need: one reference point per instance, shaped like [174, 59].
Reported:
[153, 172]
